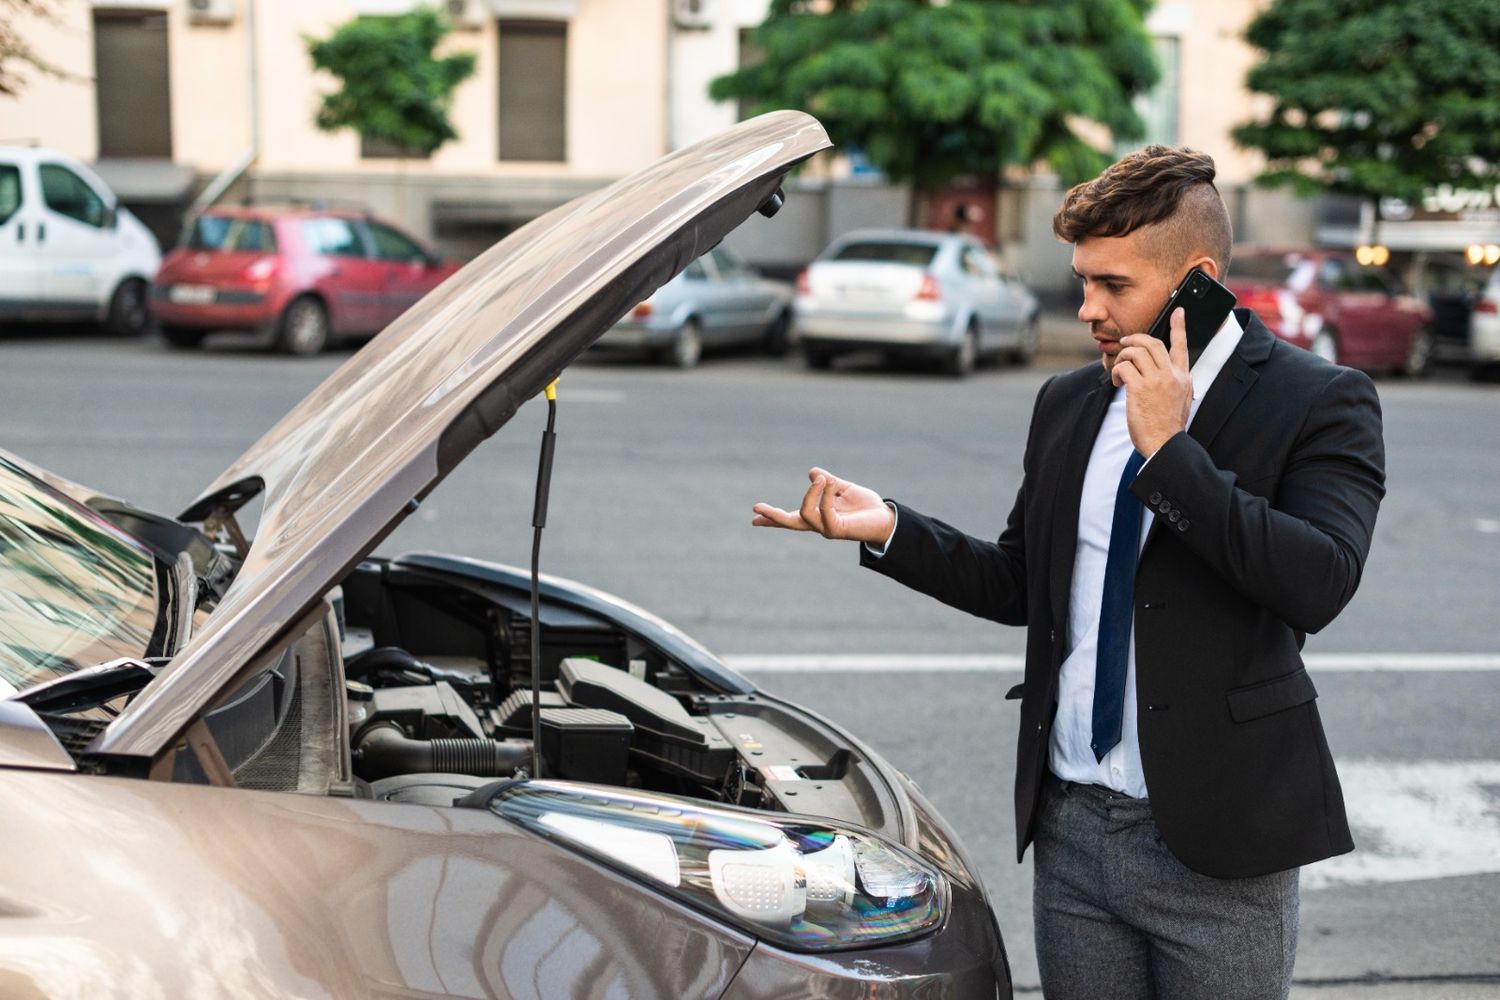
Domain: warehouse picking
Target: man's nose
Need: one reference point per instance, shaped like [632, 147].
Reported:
[1091, 311]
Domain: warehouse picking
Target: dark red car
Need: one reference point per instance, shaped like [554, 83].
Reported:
[301, 276]
[1329, 303]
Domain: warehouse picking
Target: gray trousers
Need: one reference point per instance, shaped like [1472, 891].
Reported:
[1118, 917]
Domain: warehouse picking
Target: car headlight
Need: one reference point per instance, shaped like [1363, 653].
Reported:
[800, 883]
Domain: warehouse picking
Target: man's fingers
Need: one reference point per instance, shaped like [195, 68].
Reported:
[837, 483]
[810, 502]
[1178, 324]
[767, 516]
[828, 517]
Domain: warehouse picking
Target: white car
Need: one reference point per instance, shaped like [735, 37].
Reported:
[68, 249]
[1484, 327]
[913, 292]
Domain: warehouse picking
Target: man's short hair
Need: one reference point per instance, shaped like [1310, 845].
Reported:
[1169, 189]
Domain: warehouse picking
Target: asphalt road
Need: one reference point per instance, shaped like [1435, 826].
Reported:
[656, 472]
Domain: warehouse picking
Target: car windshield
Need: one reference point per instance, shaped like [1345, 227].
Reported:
[74, 590]
[229, 233]
[888, 252]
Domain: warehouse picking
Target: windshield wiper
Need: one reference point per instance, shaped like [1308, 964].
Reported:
[89, 687]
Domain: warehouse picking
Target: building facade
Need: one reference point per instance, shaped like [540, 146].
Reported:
[166, 96]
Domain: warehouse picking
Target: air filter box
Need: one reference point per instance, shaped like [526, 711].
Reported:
[513, 715]
[665, 734]
[586, 744]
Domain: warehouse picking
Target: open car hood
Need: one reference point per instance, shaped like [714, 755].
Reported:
[341, 470]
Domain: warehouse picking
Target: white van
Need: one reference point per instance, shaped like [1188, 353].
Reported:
[68, 249]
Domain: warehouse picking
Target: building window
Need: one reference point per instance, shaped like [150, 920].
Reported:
[1158, 107]
[533, 90]
[133, 87]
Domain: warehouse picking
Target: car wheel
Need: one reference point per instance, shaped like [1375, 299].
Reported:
[183, 336]
[817, 358]
[965, 356]
[128, 316]
[778, 338]
[304, 327]
[1031, 335]
[1326, 346]
[686, 348]
[1418, 354]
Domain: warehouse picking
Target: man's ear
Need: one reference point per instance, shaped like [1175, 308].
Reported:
[1208, 264]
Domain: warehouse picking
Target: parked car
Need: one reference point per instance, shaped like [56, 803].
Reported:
[913, 293]
[300, 276]
[1454, 288]
[278, 766]
[69, 251]
[716, 301]
[1327, 302]
[1484, 330]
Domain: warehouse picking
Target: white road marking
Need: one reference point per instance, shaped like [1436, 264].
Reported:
[1486, 526]
[1415, 821]
[883, 663]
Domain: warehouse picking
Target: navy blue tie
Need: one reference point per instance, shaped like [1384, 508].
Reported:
[1116, 610]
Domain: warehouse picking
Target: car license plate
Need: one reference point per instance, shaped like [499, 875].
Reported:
[191, 295]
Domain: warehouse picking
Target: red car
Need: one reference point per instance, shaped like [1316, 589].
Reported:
[1329, 303]
[301, 276]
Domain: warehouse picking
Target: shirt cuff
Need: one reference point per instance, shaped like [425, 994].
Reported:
[876, 551]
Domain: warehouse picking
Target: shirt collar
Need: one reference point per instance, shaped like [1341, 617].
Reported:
[1215, 354]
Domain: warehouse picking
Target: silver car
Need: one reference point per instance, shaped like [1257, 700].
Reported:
[718, 300]
[911, 292]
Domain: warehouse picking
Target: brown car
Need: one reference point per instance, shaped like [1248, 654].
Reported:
[275, 766]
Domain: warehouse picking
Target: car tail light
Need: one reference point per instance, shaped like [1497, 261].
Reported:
[802, 883]
[1487, 305]
[929, 291]
[804, 283]
[642, 311]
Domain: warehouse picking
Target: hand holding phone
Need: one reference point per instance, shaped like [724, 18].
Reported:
[1205, 304]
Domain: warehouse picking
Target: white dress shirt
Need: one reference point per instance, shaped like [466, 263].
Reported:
[1070, 755]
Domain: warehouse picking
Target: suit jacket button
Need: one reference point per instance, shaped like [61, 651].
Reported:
[1155, 498]
[1164, 506]
[1182, 525]
[1174, 515]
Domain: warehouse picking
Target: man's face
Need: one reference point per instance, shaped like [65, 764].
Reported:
[1123, 288]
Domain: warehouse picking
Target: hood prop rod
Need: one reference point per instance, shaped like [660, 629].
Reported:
[539, 521]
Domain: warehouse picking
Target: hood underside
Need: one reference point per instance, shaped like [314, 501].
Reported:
[341, 470]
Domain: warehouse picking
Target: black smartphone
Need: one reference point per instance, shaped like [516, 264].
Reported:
[1205, 304]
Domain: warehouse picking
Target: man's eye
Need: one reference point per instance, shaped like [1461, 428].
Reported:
[1113, 287]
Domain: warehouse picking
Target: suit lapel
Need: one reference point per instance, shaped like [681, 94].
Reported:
[1229, 388]
[1090, 417]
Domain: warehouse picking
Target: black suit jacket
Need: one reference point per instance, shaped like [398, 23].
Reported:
[1265, 508]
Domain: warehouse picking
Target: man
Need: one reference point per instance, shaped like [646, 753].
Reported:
[1171, 767]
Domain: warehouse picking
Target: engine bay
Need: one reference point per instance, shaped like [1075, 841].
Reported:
[438, 667]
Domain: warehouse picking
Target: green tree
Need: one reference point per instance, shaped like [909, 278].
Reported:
[1377, 98]
[930, 91]
[394, 89]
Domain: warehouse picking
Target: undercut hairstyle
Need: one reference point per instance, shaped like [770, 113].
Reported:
[1169, 192]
